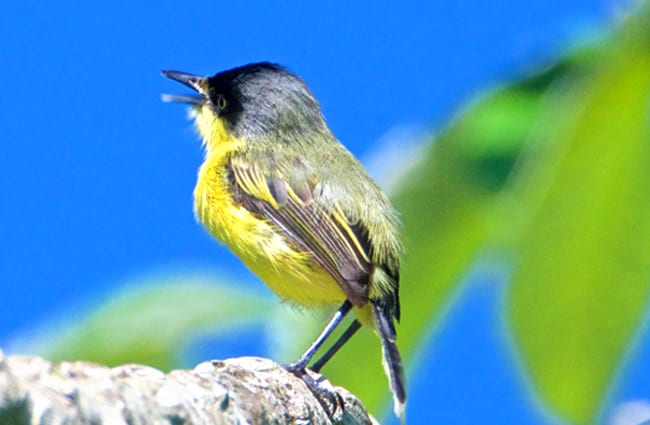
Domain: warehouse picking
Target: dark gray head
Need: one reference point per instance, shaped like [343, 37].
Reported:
[256, 100]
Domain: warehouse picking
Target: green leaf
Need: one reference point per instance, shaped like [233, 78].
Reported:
[581, 282]
[149, 321]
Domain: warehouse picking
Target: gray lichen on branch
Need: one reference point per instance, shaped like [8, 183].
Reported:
[245, 390]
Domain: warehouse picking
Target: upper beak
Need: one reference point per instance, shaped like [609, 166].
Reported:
[192, 81]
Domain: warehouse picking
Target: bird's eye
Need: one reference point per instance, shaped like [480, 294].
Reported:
[221, 103]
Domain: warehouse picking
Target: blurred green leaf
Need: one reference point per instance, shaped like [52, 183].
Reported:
[149, 321]
[581, 281]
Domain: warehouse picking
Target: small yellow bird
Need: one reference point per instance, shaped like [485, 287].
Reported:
[294, 205]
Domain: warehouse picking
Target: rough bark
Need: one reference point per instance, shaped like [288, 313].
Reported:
[245, 390]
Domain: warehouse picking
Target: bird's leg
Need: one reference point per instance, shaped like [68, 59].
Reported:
[351, 330]
[325, 394]
[298, 367]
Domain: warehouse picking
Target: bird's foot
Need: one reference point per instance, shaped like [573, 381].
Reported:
[324, 392]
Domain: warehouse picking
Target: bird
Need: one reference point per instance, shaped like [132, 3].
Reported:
[286, 197]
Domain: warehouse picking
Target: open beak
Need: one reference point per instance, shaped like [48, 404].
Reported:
[192, 81]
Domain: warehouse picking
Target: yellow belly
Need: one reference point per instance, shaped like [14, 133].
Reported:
[288, 272]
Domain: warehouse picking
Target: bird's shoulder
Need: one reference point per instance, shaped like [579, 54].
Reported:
[325, 182]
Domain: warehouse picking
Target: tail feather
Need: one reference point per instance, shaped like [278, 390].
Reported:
[392, 360]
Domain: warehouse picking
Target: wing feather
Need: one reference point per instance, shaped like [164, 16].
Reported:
[337, 245]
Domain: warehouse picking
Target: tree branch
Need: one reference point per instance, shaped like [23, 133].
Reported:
[245, 390]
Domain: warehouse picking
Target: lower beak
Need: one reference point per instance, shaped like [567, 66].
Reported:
[183, 98]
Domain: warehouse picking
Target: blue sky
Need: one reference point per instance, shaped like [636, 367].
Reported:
[97, 173]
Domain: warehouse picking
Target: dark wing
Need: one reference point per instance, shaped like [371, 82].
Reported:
[337, 245]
